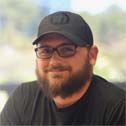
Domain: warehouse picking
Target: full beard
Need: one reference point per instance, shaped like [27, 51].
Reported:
[67, 87]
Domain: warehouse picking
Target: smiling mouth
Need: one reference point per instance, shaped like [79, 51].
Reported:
[57, 71]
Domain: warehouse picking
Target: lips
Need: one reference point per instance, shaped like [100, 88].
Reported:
[57, 69]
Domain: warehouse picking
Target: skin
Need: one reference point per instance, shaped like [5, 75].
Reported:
[76, 63]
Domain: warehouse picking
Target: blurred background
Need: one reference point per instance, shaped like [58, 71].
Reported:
[19, 20]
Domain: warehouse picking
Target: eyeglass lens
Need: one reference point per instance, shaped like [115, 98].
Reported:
[65, 50]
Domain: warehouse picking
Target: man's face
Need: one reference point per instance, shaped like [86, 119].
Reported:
[63, 76]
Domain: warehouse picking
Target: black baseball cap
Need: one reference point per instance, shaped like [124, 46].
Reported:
[68, 24]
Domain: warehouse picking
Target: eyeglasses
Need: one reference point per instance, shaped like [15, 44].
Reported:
[63, 50]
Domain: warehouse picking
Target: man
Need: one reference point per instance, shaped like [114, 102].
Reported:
[66, 91]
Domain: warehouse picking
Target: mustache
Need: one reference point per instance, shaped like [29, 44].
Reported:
[57, 67]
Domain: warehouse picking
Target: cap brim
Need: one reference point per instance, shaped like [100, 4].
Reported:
[75, 39]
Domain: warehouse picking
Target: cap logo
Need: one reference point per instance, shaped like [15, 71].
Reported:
[59, 19]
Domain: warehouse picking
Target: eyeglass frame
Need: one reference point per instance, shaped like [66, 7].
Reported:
[56, 49]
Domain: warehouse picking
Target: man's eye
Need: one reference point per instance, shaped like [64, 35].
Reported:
[45, 51]
[68, 49]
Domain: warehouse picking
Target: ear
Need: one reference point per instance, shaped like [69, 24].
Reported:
[93, 52]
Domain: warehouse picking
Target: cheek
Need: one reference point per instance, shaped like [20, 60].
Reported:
[76, 65]
[79, 63]
[40, 65]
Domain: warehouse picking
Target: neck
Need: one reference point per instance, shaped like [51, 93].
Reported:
[65, 102]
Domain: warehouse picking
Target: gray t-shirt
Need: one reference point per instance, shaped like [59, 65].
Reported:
[103, 104]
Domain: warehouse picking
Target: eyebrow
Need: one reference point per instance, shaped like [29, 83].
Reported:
[64, 43]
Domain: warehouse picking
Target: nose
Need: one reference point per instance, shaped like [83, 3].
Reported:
[55, 59]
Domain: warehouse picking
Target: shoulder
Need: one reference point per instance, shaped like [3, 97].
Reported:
[29, 87]
[26, 92]
[107, 90]
[23, 96]
[111, 99]
[20, 104]
[105, 85]
[26, 88]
